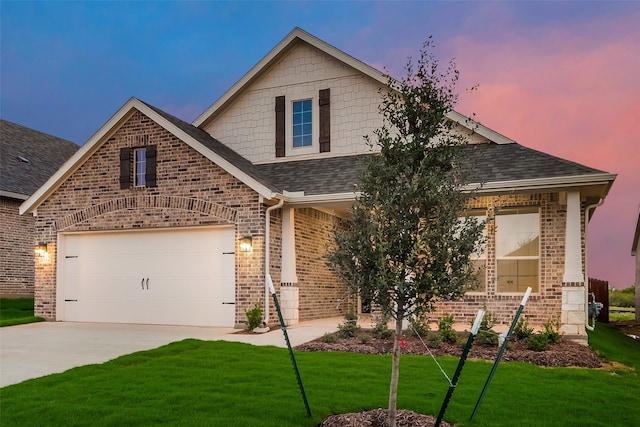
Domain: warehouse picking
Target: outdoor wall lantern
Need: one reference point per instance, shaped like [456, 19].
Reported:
[246, 244]
[42, 253]
[41, 250]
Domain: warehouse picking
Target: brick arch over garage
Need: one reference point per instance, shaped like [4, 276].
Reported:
[205, 207]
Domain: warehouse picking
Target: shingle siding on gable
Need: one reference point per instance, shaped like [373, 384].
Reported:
[191, 191]
[16, 250]
[248, 126]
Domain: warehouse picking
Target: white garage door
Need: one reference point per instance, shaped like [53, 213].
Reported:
[181, 277]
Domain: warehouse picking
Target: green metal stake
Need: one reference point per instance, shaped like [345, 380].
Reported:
[502, 348]
[463, 358]
[286, 338]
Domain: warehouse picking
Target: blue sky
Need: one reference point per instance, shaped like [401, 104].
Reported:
[560, 77]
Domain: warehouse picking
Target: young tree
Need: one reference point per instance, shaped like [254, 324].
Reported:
[405, 245]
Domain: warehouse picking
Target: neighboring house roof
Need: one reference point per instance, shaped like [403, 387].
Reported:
[289, 42]
[28, 158]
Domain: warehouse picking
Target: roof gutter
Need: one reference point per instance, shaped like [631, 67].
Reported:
[586, 270]
[605, 179]
[267, 248]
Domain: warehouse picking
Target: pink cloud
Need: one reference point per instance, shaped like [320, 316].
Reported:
[572, 92]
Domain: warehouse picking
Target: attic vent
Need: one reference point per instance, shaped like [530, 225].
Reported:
[23, 159]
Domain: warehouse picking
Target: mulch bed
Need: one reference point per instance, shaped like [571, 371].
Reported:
[378, 417]
[564, 353]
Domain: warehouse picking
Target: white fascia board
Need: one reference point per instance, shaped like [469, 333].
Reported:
[323, 198]
[80, 156]
[12, 195]
[604, 179]
[481, 130]
[264, 63]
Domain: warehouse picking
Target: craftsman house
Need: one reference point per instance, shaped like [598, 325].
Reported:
[27, 159]
[155, 220]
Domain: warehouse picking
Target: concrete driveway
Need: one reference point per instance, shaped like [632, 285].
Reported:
[39, 349]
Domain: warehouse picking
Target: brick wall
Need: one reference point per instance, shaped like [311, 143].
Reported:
[191, 191]
[321, 293]
[17, 239]
[541, 306]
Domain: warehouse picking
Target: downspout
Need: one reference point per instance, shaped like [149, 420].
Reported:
[267, 229]
[586, 257]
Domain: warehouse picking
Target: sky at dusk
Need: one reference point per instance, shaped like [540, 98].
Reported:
[559, 77]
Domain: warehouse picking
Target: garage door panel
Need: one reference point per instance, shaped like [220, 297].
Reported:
[160, 277]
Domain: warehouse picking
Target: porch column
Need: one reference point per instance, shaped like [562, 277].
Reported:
[573, 241]
[289, 292]
[573, 287]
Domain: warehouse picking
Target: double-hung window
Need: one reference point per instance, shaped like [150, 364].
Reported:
[302, 119]
[517, 249]
[140, 166]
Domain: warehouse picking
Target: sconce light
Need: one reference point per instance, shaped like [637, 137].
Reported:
[246, 243]
[41, 250]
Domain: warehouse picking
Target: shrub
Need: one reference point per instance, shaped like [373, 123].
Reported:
[522, 331]
[254, 316]
[434, 340]
[348, 329]
[486, 334]
[364, 338]
[445, 329]
[330, 338]
[552, 330]
[382, 331]
[419, 326]
[537, 342]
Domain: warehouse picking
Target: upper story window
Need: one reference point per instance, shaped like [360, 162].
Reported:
[517, 249]
[140, 166]
[302, 131]
[303, 124]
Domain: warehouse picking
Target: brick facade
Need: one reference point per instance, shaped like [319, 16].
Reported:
[191, 191]
[321, 293]
[543, 305]
[17, 242]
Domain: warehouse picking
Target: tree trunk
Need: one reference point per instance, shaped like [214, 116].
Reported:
[395, 371]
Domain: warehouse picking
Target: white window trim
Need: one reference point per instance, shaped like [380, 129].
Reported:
[518, 258]
[482, 217]
[135, 167]
[315, 124]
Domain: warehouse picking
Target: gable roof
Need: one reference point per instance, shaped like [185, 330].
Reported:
[196, 138]
[29, 158]
[299, 35]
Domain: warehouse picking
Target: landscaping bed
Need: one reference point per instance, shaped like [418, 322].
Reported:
[562, 353]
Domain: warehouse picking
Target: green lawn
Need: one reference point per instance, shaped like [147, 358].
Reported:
[199, 383]
[16, 311]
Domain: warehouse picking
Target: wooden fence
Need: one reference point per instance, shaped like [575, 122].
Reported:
[601, 290]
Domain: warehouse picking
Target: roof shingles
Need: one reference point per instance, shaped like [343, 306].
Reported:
[44, 154]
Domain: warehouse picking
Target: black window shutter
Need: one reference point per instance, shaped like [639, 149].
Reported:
[125, 167]
[280, 126]
[325, 121]
[150, 174]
